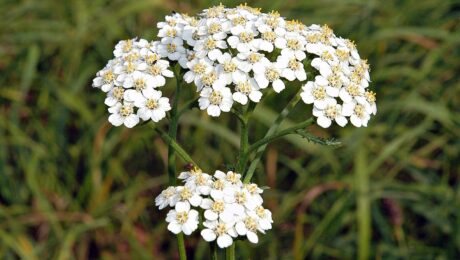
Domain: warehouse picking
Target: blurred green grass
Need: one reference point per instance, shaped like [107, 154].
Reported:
[72, 187]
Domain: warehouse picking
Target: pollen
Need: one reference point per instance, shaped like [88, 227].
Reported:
[331, 111]
[199, 68]
[319, 93]
[118, 93]
[252, 188]
[272, 74]
[126, 110]
[128, 46]
[152, 58]
[155, 70]
[327, 56]
[342, 54]
[218, 184]
[334, 80]
[269, 36]
[210, 44]
[171, 47]
[240, 197]
[246, 37]
[233, 177]
[250, 224]
[294, 65]
[240, 20]
[209, 78]
[243, 87]
[254, 57]
[215, 98]
[108, 77]
[151, 103]
[171, 33]
[139, 84]
[217, 206]
[221, 229]
[185, 193]
[214, 28]
[370, 96]
[359, 111]
[353, 90]
[260, 211]
[130, 67]
[182, 217]
[314, 38]
[229, 66]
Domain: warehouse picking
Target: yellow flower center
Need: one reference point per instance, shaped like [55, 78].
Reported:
[334, 80]
[169, 192]
[171, 33]
[331, 111]
[182, 217]
[126, 110]
[240, 197]
[269, 36]
[139, 84]
[152, 58]
[199, 68]
[171, 47]
[229, 66]
[128, 46]
[293, 44]
[130, 67]
[118, 93]
[232, 177]
[215, 98]
[343, 54]
[252, 188]
[155, 70]
[313, 38]
[272, 74]
[151, 103]
[217, 206]
[131, 57]
[319, 93]
[246, 37]
[221, 229]
[185, 193]
[250, 224]
[240, 20]
[214, 28]
[209, 78]
[200, 180]
[353, 90]
[360, 111]
[243, 87]
[370, 96]
[327, 56]
[254, 57]
[108, 77]
[210, 44]
[218, 185]
[294, 65]
[260, 211]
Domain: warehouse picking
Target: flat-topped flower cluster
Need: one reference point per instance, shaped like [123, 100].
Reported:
[237, 55]
[231, 209]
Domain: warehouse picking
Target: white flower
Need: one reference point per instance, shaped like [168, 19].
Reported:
[314, 94]
[248, 227]
[128, 68]
[182, 219]
[269, 73]
[173, 50]
[230, 177]
[218, 209]
[114, 96]
[243, 41]
[123, 114]
[291, 47]
[228, 69]
[186, 175]
[291, 68]
[254, 193]
[215, 100]
[219, 230]
[189, 195]
[152, 106]
[201, 183]
[166, 198]
[357, 113]
[249, 61]
[198, 68]
[247, 88]
[264, 218]
[332, 111]
[123, 47]
[142, 83]
[350, 92]
[105, 80]
[209, 47]
[158, 71]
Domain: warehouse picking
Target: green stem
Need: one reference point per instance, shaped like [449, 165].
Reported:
[181, 245]
[230, 252]
[175, 146]
[244, 146]
[287, 131]
[213, 248]
[172, 149]
[272, 130]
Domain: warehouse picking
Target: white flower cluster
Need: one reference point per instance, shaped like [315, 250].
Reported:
[235, 55]
[131, 81]
[231, 209]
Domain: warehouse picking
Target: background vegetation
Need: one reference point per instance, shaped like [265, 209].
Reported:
[73, 187]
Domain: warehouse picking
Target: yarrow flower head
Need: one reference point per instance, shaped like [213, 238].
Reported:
[234, 56]
[230, 208]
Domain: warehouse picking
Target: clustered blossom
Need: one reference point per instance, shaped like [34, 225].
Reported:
[230, 208]
[235, 55]
[132, 81]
